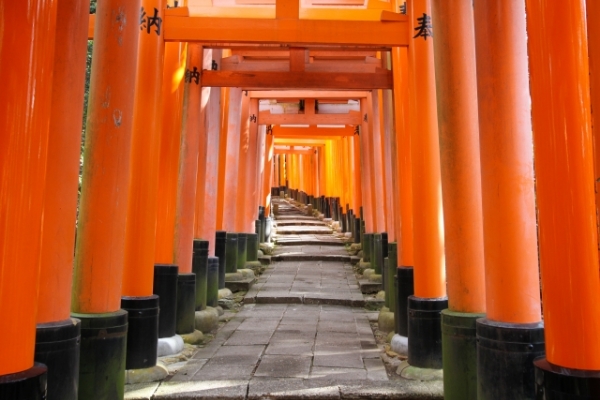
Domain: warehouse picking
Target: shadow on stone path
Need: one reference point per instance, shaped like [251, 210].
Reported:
[302, 333]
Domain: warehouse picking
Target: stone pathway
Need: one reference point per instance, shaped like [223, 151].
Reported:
[302, 333]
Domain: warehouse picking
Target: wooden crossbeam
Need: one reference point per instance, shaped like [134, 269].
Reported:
[308, 94]
[298, 63]
[391, 30]
[290, 32]
[298, 80]
[300, 152]
[266, 118]
[321, 133]
[298, 142]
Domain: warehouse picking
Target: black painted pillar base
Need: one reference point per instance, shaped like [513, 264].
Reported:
[459, 346]
[357, 224]
[425, 331]
[220, 243]
[165, 287]
[200, 268]
[251, 247]
[242, 252]
[57, 345]
[405, 287]
[558, 383]
[186, 304]
[103, 354]
[30, 384]
[231, 251]
[212, 282]
[367, 247]
[505, 354]
[142, 334]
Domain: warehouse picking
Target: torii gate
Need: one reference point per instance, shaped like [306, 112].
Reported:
[114, 213]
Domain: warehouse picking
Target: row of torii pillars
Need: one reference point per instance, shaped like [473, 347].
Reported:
[475, 118]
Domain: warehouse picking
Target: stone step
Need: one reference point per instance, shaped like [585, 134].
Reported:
[241, 285]
[297, 230]
[297, 217]
[254, 298]
[310, 257]
[305, 242]
[294, 222]
[367, 287]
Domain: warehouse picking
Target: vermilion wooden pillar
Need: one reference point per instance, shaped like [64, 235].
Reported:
[564, 167]
[378, 174]
[461, 186]
[269, 172]
[231, 160]
[403, 195]
[138, 269]
[508, 204]
[27, 46]
[224, 116]
[429, 271]
[251, 188]
[188, 162]
[172, 101]
[357, 174]
[57, 335]
[260, 169]
[365, 164]
[206, 96]
[593, 30]
[207, 185]
[100, 247]
[141, 217]
[389, 154]
[242, 163]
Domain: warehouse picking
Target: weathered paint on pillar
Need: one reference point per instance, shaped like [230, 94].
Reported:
[231, 160]
[459, 152]
[100, 247]
[27, 43]
[188, 161]
[428, 217]
[172, 105]
[140, 236]
[507, 185]
[564, 174]
[62, 174]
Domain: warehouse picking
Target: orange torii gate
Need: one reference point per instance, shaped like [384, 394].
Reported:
[123, 173]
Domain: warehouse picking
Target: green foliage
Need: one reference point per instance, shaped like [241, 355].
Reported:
[88, 70]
